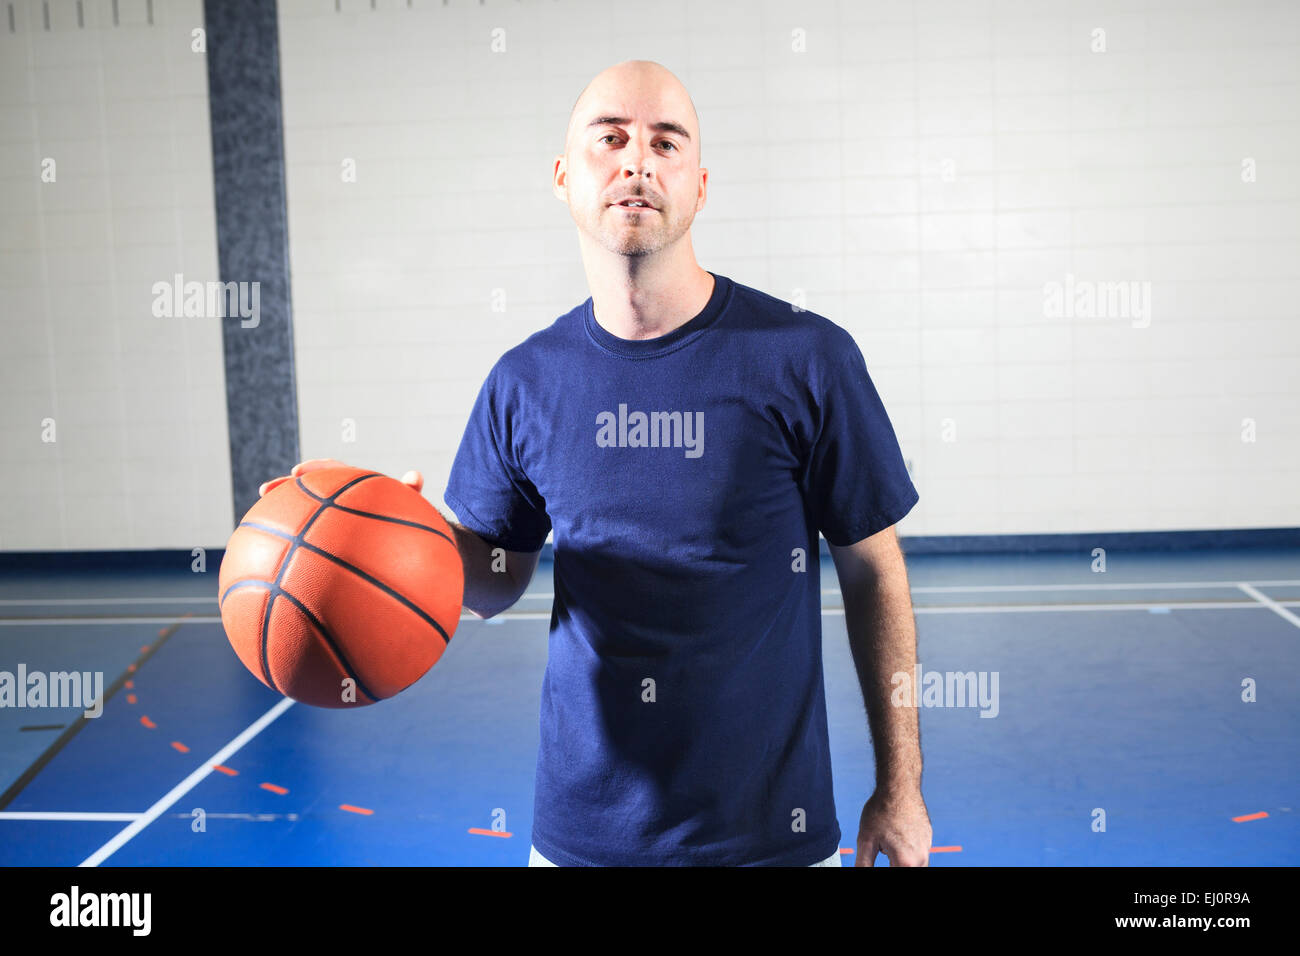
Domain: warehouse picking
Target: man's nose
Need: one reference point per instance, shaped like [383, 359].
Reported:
[635, 161]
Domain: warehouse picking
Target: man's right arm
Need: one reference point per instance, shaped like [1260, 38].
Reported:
[494, 577]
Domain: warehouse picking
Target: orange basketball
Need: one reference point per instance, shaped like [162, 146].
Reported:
[341, 587]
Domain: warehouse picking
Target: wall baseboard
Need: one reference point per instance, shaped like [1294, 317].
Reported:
[179, 561]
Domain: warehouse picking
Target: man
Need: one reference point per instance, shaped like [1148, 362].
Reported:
[686, 437]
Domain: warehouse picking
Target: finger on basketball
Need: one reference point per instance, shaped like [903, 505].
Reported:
[312, 464]
[414, 479]
[273, 483]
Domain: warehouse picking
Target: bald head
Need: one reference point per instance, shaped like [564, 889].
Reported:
[634, 80]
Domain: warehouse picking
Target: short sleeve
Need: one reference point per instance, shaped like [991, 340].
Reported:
[855, 481]
[487, 489]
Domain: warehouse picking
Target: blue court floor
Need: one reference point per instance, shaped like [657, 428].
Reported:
[1119, 701]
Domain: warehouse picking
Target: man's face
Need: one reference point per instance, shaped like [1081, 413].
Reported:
[634, 142]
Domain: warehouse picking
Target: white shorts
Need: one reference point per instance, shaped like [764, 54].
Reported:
[536, 859]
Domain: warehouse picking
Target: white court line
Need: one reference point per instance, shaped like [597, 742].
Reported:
[946, 589]
[985, 608]
[1269, 603]
[1128, 586]
[1019, 608]
[71, 815]
[990, 588]
[186, 785]
[982, 588]
[161, 619]
[42, 602]
[1280, 607]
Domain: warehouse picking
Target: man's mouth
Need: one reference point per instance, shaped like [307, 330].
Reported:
[636, 204]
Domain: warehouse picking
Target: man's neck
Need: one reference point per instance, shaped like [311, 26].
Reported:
[647, 306]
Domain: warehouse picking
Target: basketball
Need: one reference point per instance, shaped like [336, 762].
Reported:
[341, 587]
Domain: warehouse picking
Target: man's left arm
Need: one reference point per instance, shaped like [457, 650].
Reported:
[882, 638]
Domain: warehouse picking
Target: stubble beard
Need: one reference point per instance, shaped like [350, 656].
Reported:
[641, 239]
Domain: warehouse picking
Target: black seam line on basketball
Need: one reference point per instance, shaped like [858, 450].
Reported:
[307, 545]
[403, 521]
[277, 591]
[248, 583]
[371, 514]
[271, 588]
[264, 638]
[330, 500]
[329, 638]
[297, 541]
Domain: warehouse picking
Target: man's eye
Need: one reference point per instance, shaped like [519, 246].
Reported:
[613, 136]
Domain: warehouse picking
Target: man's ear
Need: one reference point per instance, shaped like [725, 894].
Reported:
[560, 179]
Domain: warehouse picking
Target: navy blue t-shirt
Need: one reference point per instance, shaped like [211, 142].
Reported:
[683, 715]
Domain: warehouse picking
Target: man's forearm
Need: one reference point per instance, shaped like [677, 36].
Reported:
[487, 591]
[882, 638]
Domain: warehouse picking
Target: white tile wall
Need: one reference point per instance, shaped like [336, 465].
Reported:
[141, 457]
[925, 167]
[923, 170]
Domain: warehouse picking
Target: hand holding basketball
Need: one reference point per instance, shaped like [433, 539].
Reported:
[412, 479]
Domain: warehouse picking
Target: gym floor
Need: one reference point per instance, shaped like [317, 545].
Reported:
[1118, 734]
